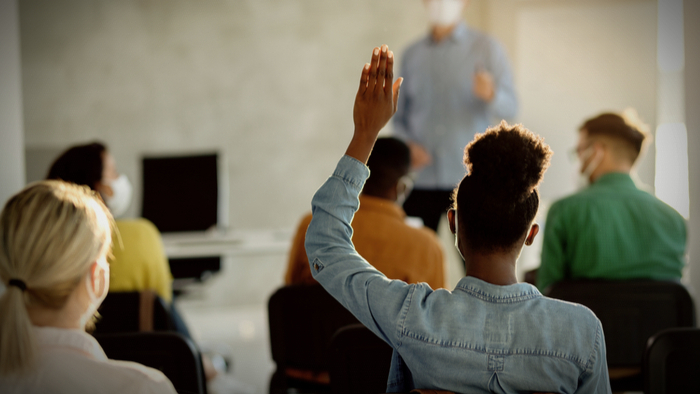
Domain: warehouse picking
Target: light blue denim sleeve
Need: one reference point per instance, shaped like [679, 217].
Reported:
[377, 302]
[595, 378]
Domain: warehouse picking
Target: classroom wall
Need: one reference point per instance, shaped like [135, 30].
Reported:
[270, 84]
[11, 129]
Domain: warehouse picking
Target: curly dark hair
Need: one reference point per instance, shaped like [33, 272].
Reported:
[82, 165]
[498, 198]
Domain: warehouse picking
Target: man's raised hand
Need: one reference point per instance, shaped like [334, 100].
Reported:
[375, 102]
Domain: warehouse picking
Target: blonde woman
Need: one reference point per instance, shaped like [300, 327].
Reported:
[54, 241]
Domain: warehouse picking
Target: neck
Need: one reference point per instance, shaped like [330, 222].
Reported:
[497, 268]
[390, 195]
[607, 167]
[69, 316]
[439, 33]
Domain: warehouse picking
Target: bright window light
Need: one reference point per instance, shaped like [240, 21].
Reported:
[672, 167]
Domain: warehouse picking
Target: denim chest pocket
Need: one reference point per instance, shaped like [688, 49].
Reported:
[317, 266]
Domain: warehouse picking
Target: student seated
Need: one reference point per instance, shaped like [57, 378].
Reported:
[490, 334]
[138, 262]
[54, 242]
[381, 234]
[611, 229]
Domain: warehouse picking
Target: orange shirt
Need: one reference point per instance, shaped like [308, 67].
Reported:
[381, 236]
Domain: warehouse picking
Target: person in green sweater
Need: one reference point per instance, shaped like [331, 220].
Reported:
[611, 229]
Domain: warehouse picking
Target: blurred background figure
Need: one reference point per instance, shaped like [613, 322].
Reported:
[53, 262]
[458, 80]
[380, 232]
[611, 229]
[138, 260]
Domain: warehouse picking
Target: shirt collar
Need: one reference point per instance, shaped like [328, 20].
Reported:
[495, 293]
[381, 205]
[615, 179]
[72, 339]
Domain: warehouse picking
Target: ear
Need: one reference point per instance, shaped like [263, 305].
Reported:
[451, 219]
[534, 229]
[103, 189]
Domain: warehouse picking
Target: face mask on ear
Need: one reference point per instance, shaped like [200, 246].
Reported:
[403, 189]
[457, 235]
[96, 300]
[444, 12]
[119, 202]
[584, 177]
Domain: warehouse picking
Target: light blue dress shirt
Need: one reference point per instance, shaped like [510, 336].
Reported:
[437, 108]
[478, 338]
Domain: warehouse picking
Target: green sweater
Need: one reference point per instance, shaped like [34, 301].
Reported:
[612, 230]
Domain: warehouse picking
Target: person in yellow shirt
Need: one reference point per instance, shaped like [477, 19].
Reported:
[380, 232]
[139, 261]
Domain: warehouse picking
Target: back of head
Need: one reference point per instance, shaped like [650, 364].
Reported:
[50, 233]
[81, 165]
[498, 199]
[625, 131]
[390, 161]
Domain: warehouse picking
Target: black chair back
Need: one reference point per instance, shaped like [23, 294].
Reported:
[359, 361]
[132, 312]
[672, 362]
[171, 353]
[630, 312]
[302, 321]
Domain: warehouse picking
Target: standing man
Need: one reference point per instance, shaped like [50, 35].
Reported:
[611, 229]
[457, 82]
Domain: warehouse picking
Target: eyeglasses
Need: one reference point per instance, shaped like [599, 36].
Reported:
[576, 151]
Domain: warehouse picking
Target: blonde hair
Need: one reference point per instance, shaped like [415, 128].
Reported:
[50, 233]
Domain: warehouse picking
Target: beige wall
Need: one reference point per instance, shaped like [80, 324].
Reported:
[573, 60]
[269, 83]
[11, 133]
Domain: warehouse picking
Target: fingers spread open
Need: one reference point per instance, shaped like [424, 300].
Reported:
[373, 69]
[381, 72]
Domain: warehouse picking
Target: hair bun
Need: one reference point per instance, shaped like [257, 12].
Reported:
[508, 161]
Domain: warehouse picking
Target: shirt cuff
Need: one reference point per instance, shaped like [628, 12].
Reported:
[352, 172]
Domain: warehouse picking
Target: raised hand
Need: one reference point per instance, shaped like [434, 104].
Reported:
[375, 102]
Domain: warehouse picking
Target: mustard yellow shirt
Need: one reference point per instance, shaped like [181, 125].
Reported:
[139, 263]
[382, 237]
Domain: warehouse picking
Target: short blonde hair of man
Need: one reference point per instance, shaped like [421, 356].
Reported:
[50, 234]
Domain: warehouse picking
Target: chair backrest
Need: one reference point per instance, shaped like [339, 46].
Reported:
[171, 353]
[359, 361]
[133, 311]
[672, 362]
[630, 312]
[302, 321]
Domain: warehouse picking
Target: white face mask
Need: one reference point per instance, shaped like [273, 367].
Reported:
[96, 300]
[444, 12]
[119, 202]
[584, 177]
[403, 189]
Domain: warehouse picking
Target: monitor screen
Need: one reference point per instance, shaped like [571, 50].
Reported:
[181, 193]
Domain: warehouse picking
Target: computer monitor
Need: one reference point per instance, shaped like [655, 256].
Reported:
[185, 193]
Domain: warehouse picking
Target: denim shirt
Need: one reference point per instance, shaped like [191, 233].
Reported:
[478, 338]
